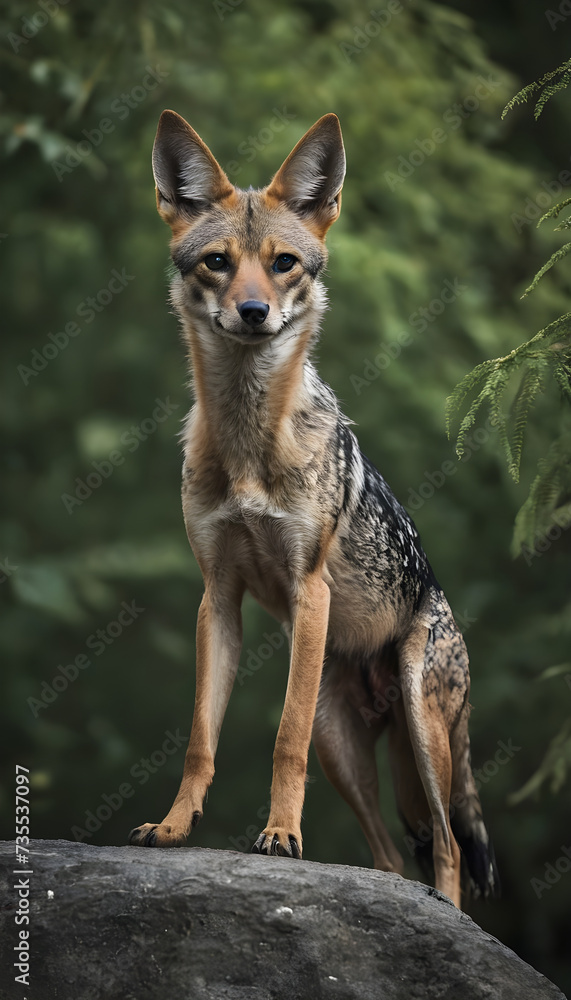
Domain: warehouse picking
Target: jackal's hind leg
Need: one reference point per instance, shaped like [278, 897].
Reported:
[344, 740]
[434, 679]
[410, 796]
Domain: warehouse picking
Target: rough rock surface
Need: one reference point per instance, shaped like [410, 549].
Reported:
[131, 923]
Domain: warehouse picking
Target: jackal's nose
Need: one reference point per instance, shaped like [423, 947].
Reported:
[253, 312]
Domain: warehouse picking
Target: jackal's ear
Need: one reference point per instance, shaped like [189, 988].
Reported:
[311, 178]
[187, 176]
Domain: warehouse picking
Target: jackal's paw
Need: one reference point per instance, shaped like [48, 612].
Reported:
[157, 835]
[278, 842]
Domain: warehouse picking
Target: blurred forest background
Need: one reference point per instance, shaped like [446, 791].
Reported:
[92, 519]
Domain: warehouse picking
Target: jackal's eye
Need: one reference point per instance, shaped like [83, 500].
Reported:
[284, 262]
[216, 262]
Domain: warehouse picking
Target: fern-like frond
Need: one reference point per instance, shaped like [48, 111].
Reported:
[468, 421]
[553, 767]
[548, 501]
[562, 375]
[558, 255]
[469, 382]
[550, 92]
[545, 492]
[531, 384]
[564, 71]
[497, 415]
[548, 351]
[538, 525]
[521, 97]
[554, 211]
[545, 347]
[559, 329]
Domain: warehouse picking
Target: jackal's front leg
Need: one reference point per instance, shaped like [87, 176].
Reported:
[218, 641]
[282, 835]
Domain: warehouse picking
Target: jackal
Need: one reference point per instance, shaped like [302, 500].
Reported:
[279, 500]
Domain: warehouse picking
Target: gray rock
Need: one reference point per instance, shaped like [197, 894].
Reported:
[132, 923]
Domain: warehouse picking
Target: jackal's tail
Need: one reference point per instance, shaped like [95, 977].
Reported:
[479, 872]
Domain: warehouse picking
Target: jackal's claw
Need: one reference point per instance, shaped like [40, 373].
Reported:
[273, 846]
[155, 835]
[142, 836]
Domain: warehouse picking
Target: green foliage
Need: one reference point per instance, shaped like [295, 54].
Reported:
[555, 257]
[553, 769]
[544, 508]
[549, 352]
[554, 211]
[547, 508]
[561, 77]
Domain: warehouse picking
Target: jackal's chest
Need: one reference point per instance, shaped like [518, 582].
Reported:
[264, 536]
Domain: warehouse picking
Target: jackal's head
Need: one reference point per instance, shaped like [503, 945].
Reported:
[248, 260]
